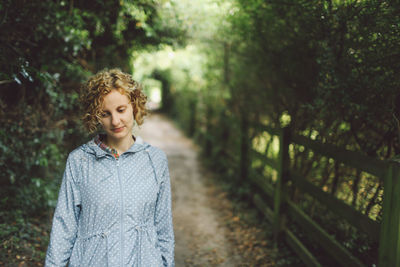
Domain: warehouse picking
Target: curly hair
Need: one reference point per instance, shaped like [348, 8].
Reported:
[102, 83]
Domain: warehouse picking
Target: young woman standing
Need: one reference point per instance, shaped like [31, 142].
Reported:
[114, 204]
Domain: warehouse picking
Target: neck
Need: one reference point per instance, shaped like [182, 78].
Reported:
[120, 145]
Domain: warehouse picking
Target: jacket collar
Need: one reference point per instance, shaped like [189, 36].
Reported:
[92, 148]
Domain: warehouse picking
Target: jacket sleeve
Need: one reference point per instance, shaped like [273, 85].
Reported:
[65, 220]
[163, 220]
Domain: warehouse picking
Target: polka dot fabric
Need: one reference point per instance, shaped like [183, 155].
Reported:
[113, 212]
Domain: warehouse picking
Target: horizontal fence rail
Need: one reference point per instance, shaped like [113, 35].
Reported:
[351, 158]
[387, 232]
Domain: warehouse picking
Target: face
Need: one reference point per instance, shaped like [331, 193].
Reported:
[117, 116]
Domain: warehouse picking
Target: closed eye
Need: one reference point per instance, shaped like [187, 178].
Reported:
[104, 114]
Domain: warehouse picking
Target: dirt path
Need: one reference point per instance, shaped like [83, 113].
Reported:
[200, 238]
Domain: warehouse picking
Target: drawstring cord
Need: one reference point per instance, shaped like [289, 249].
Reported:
[104, 236]
[141, 229]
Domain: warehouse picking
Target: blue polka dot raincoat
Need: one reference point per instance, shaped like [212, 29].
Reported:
[113, 212]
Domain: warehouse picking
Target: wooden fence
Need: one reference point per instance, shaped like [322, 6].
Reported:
[277, 206]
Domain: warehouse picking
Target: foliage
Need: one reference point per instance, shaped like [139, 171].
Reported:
[324, 63]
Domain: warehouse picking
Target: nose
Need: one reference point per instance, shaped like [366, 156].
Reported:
[115, 119]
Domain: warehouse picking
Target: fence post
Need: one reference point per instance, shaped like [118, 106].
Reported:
[244, 147]
[193, 114]
[280, 188]
[208, 143]
[389, 243]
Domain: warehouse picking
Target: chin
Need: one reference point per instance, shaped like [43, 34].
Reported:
[120, 135]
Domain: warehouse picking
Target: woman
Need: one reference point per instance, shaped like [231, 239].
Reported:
[114, 205]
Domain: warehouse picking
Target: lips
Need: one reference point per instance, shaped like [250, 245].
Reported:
[117, 130]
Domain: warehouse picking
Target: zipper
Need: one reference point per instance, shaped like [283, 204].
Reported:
[122, 213]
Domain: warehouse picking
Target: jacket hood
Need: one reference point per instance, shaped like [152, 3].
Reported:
[92, 148]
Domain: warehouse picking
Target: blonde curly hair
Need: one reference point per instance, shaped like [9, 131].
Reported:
[102, 83]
